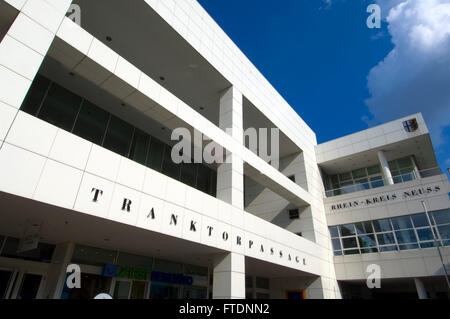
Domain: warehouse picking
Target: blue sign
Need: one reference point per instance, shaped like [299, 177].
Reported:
[109, 270]
[172, 278]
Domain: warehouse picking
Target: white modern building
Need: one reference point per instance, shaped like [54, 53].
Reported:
[86, 174]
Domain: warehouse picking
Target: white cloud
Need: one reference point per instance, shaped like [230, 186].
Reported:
[415, 75]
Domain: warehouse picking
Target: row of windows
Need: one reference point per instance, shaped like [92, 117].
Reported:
[402, 170]
[60, 107]
[391, 234]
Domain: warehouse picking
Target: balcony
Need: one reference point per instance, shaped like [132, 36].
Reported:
[380, 182]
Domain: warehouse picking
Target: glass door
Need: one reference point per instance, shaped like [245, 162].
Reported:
[122, 289]
[7, 278]
[29, 287]
[138, 289]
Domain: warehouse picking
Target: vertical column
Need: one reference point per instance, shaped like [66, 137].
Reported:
[229, 276]
[57, 274]
[230, 175]
[421, 292]
[385, 168]
[22, 51]
[416, 169]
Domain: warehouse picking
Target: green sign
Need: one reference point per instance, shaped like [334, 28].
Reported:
[133, 273]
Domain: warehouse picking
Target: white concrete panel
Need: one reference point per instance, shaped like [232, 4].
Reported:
[7, 114]
[124, 205]
[103, 163]
[151, 213]
[192, 226]
[72, 33]
[86, 202]
[70, 149]
[31, 133]
[103, 55]
[19, 170]
[173, 220]
[58, 184]
[155, 183]
[31, 34]
[131, 173]
[18, 57]
[44, 14]
[14, 87]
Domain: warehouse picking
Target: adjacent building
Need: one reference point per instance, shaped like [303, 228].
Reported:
[91, 92]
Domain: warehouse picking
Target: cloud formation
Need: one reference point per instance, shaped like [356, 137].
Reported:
[415, 75]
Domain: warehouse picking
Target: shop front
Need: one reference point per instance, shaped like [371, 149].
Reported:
[128, 276]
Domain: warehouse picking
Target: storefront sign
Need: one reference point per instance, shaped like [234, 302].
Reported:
[405, 195]
[172, 278]
[127, 207]
[109, 270]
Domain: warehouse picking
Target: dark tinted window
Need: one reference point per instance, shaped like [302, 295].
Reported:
[139, 146]
[35, 95]
[118, 136]
[155, 155]
[189, 174]
[91, 123]
[170, 168]
[60, 107]
[43, 253]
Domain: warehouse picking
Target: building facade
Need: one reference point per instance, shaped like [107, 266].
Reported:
[92, 92]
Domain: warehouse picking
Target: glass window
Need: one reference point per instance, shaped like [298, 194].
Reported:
[293, 214]
[338, 253]
[349, 242]
[388, 248]
[425, 234]
[386, 239]
[408, 246]
[420, 220]
[91, 123]
[373, 170]
[364, 228]
[43, 253]
[93, 256]
[118, 136]
[376, 181]
[204, 180]
[345, 176]
[135, 261]
[351, 252]
[170, 168]
[358, 173]
[248, 281]
[405, 236]
[404, 162]
[336, 244]
[155, 155]
[60, 107]
[444, 231]
[367, 241]
[35, 95]
[139, 146]
[334, 231]
[369, 250]
[403, 222]
[361, 184]
[262, 283]
[168, 266]
[382, 225]
[193, 270]
[347, 230]
[189, 174]
[442, 217]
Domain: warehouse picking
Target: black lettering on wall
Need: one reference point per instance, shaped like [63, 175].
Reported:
[97, 193]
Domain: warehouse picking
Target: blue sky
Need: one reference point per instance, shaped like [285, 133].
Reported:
[319, 54]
